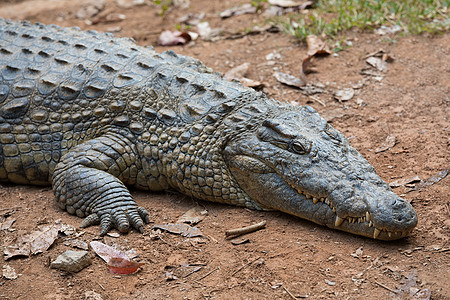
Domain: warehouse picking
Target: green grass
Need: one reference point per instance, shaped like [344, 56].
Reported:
[331, 17]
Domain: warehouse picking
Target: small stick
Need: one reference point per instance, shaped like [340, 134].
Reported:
[289, 293]
[386, 287]
[101, 286]
[243, 266]
[207, 274]
[10, 208]
[244, 230]
[317, 100]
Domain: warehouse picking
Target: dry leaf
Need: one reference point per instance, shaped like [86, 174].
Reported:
[107, 252]
[77, 244]
[172, 38]
[291, 3]
[193, 216]
[289, 79]
[191, 19]
[121, 266]
[117, 261]
[32, 243]
[316, 46]
[237, 72]
[257, 85]
[377, 63]
[183, 229]
[240, 241]
[207, 33]
[344, 94]
[90, 9]
[383, 30]
[238, 10]
[304, 67]
[5, 225]
[129, 3]
[387, 144]
[434, 179]
[404, 181]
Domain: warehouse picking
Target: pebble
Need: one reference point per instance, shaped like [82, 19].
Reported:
[72, 261]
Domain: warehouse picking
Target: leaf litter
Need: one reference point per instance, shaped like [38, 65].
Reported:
[118, 262]
[388, 143]
[179, 228]
[315, 47]
[193, 216]
[239, 72]
[173, 38]
[33, 243]
[246, 8]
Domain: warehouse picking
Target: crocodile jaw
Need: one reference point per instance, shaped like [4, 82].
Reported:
[370, 218]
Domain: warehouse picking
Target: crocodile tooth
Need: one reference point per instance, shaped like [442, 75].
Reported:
[308, 196]
[334, 209]
[367, 216]
[376, 233]
[338, 221]
[389, 234]
[370, 224]
[315, 200]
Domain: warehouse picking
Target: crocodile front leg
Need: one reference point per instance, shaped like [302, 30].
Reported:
[89, 182]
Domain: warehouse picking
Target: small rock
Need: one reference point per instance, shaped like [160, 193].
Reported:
[91, 295]
[331, 283]
[9, 272]
[273, 55]
[360, 102]
[72, 261]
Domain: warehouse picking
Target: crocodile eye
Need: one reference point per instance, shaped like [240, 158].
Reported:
[298, 148]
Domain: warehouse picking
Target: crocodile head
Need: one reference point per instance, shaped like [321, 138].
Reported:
[297, 163]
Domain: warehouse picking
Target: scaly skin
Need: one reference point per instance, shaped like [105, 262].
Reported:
[91, 114]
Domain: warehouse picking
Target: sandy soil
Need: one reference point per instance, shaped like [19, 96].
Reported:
[291, 257]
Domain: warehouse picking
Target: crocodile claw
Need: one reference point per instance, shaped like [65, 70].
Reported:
[121, 219]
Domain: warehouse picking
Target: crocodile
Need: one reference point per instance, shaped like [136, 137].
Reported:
[92, 115]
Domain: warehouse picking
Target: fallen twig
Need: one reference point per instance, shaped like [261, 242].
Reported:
[386, 287]
[243, 266]
[244, 230]
[207, 274]
[10, 208]
[317, 100]
[289, 293]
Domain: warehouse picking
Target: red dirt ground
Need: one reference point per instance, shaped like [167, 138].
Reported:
[291, 257]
